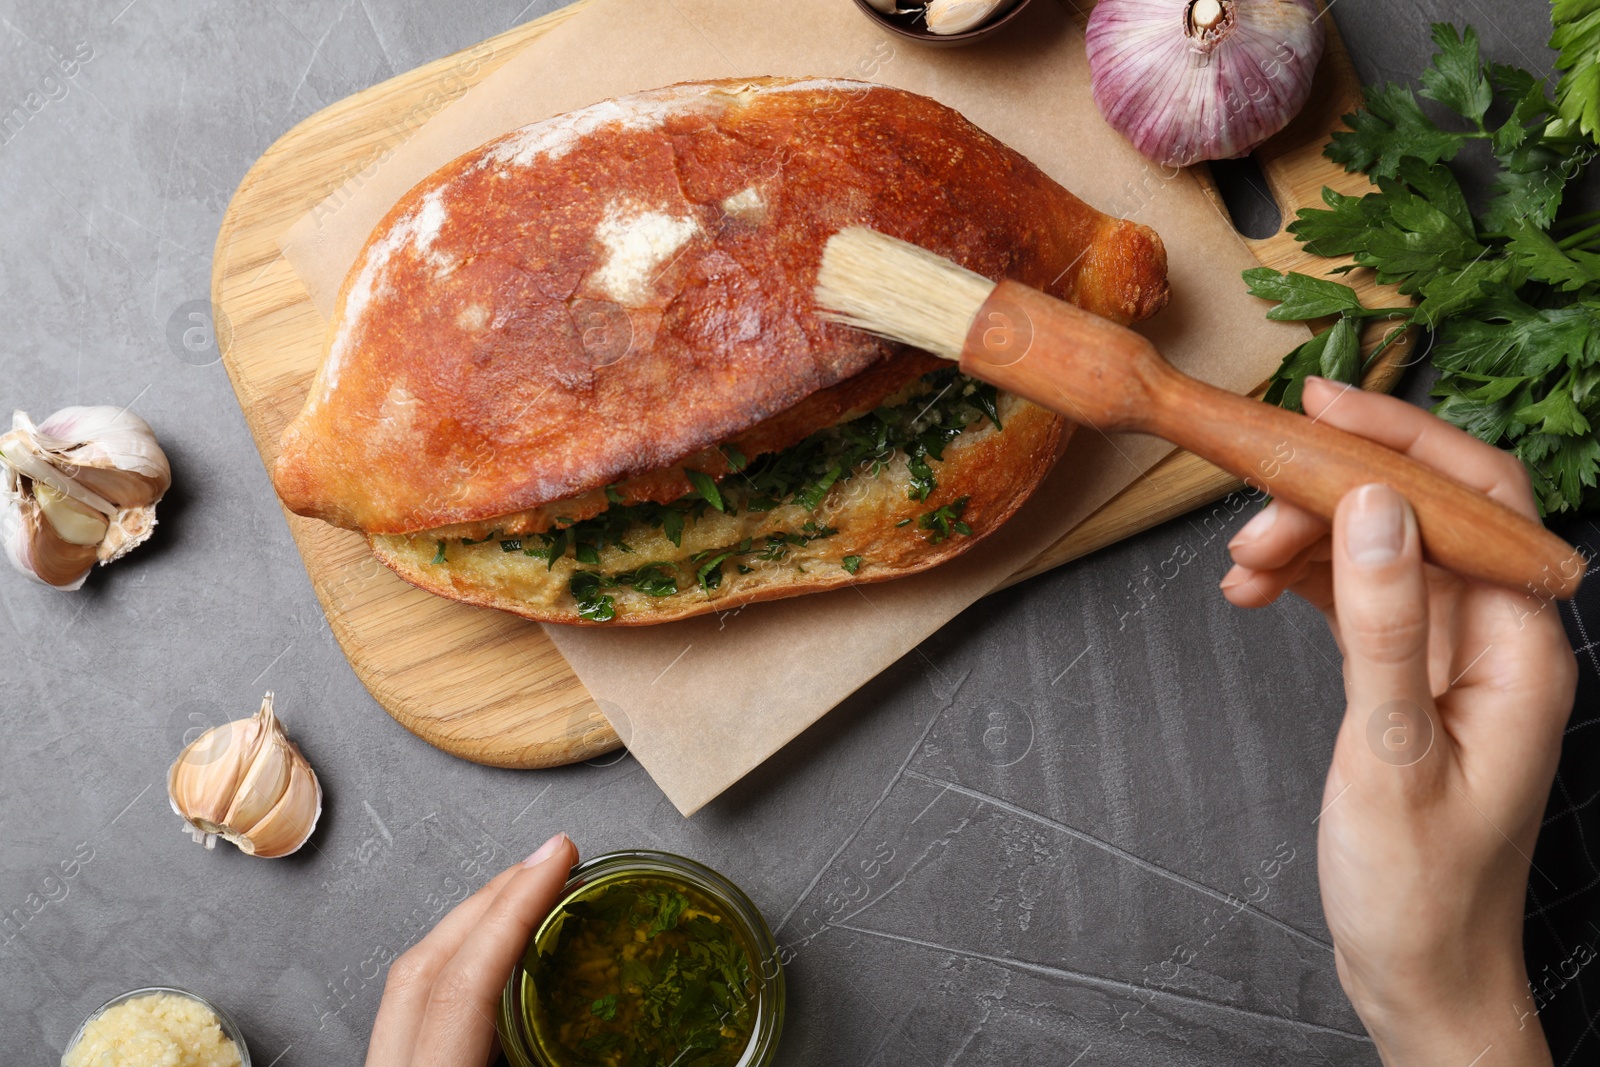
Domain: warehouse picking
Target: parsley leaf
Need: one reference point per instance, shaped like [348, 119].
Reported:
[1340, 358]
[1536, 253]
[851, 564]
[1390, 128]
[1302, 296]
[1531, 182]
[1457, 79]
[706, 487]
[1576, 36]
[1512, 294]
[946, 521]
[593, 605]
[1528, 106]
[1341, 230]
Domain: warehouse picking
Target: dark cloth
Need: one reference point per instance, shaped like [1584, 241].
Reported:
[1562, 927]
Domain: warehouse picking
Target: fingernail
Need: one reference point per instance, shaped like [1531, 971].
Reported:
[1257, 527]
[546, 850]
[1232, 580]
[1376, 529]
[1329, 382]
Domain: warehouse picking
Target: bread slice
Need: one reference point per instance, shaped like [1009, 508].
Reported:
[869, 525]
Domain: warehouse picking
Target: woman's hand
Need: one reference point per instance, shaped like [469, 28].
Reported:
[1457, 695]
[443, 995]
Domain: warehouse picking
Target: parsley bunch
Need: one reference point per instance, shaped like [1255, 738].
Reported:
[1511, 289]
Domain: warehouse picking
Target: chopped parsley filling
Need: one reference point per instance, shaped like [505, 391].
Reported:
[920, 429]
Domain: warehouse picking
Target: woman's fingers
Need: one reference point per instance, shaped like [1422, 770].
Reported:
[1315, 586]
[458, 1024]
[412, 974]
[1277, 550]
[1275, 536]
[1395, 424]
[1383, 614]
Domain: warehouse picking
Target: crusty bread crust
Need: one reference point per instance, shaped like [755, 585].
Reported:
[996, 470]
[849, 399]
[600, 296]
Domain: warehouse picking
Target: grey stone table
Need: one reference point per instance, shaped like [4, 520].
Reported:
[991, 854]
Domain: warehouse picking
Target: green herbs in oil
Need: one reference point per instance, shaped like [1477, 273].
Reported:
[642, 973]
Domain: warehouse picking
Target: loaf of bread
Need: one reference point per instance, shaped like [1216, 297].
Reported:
[576, 374]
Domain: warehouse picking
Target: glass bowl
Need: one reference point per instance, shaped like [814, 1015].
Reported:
[230, 1029]
[518, 1036]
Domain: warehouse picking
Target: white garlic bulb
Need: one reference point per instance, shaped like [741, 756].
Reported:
[79, 488]
[959, 16]
[247, 783]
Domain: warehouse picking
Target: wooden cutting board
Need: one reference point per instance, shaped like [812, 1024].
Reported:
[490, 687]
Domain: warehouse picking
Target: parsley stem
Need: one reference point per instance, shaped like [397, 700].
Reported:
[1581, 237]
[1373, 313]
[1572, 220]
[1393, 336]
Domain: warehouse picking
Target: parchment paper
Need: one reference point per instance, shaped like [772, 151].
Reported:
[701, 703]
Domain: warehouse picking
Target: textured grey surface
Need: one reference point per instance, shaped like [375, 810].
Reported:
[998, 852]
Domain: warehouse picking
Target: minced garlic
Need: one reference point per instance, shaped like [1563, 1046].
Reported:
[159, 1030]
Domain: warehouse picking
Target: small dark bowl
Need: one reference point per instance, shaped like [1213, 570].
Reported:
[897, 25]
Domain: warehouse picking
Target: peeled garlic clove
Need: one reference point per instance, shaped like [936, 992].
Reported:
[959, 16]
[247, 783]
[75, 523]
[884, 6]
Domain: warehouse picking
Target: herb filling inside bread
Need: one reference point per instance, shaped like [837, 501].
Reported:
[809, 511]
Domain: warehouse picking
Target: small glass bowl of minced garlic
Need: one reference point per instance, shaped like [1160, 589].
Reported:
[647, 959]
[157, 1027]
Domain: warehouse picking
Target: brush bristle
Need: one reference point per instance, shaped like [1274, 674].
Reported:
[896, 290]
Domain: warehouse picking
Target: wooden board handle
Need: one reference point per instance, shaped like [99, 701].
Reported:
[1103, 375]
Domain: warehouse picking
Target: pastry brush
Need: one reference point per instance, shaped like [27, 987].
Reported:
[1110, 378]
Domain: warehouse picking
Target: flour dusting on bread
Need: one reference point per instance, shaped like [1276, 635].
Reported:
[553, 138]
[638, 243]
[749, 205]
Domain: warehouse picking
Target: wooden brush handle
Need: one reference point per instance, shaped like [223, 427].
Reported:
[1108, 377]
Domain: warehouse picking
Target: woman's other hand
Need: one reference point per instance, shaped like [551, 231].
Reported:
[442, 996]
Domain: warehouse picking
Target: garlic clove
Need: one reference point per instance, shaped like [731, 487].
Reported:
[205, 777]
[959, 16]
[35, 549]
[26, 460]
[108, 438]
[247, 783]
[75, 523]
[289, 824]
[263, 784]
[127, 489]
